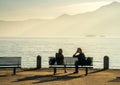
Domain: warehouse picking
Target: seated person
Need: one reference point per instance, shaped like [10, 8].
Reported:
[59, 57]
[81, 59]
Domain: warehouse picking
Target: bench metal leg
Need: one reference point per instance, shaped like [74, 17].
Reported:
[86, 69]
[65, 69]
[55, 70]
[14, 71]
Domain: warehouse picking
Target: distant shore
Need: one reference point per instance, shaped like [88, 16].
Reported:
[46, 77]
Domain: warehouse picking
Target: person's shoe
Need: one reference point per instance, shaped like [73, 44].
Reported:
[75, 72]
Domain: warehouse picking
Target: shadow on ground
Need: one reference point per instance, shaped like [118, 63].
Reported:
[97, 71]
[117, 79]
[50, 78]
[3, 75]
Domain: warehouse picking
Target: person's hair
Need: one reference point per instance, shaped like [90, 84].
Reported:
[80, 50]
[60, 51]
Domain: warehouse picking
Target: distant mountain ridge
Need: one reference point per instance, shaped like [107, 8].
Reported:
[103, 21]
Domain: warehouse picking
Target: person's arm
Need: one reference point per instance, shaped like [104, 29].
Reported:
[74, 55]
[84, 56]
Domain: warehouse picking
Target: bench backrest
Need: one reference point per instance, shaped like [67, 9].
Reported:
[10, 61]
[71, 61]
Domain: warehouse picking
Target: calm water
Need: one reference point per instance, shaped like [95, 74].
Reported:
[29, 48]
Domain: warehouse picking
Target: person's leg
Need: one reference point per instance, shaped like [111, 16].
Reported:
[76, 67]
[65, 69]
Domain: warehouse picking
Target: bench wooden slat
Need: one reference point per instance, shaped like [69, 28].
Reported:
[10, 66]
[10, 60]
[69, 65]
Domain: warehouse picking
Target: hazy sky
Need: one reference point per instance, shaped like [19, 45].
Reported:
[27, 9]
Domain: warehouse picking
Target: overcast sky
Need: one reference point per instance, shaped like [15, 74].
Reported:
[29, 9]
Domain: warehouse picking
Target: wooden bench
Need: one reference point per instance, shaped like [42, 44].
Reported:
[10, 62]
[70, 63]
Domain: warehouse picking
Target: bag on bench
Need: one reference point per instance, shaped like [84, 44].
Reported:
[52, 61]
[89, 61]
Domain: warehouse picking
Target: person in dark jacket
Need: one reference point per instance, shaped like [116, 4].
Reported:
[59, 57]
[81, 59]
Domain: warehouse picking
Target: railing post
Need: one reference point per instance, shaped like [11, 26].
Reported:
[38, 62]
[106, 62]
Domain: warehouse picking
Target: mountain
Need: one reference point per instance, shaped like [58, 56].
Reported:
[103, 21]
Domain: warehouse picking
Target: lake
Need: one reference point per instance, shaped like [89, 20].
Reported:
[29, 48]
